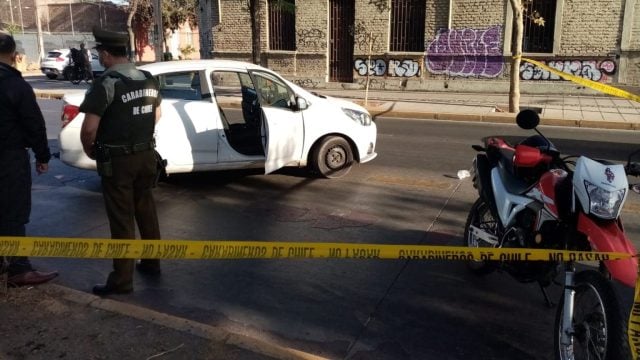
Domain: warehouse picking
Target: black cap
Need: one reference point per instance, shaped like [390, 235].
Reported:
[110, 39]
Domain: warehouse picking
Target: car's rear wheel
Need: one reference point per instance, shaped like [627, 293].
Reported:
[52, 76]
[332, 157]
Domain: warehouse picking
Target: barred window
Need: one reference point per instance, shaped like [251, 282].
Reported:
[282, 25]
[407, 25]
[539, 39]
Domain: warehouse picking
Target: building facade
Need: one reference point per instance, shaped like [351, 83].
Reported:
[427, 44]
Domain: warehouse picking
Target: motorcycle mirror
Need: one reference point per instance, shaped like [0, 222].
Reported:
[527, 119]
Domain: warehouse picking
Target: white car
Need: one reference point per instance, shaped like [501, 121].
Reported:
[222, 114]
[54, 63]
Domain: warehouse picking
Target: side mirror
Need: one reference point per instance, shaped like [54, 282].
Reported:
[301, 103]
[528, 119]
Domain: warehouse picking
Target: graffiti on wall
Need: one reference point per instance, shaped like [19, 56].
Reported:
[380, 67]
[466, 52]
[365, 39]
[381, 5]
[311, 39]
[307, 83]
[596, 70]
[374, 84]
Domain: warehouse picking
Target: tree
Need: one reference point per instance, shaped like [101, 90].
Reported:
[519, 16]
[174, 14]
[133, 8]
[11, 28]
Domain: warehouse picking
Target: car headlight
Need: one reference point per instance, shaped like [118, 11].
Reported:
[602, 203]
[358, 116]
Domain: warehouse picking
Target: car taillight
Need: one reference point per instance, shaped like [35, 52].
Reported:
[69, 112]
[59, 59]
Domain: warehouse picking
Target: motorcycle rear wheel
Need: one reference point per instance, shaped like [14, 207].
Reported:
[600, 329]
[480, 216]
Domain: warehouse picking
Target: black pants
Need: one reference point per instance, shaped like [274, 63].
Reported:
[128, 199]
[15, 201]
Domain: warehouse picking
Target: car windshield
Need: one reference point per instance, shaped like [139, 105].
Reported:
[54, 54]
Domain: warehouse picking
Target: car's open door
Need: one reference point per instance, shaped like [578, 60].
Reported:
[282, 124]
[283, 137]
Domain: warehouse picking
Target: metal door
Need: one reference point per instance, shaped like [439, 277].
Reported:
[341, 40]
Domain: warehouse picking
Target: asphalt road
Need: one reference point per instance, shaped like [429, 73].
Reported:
[360, 309]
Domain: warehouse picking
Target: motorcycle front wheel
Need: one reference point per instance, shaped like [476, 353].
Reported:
[599, 327]
[480, 216]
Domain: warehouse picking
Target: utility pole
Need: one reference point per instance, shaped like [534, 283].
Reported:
[11, 8]
[159, 30]
[39, 27]
[21, 21]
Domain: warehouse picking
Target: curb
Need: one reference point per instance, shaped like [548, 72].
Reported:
[191, 327]
[506, 119]
[492, 118]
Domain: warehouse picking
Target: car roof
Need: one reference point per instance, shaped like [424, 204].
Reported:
[186, 65]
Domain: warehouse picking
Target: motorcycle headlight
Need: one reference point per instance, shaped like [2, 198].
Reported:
[602, 203]
[358, 116]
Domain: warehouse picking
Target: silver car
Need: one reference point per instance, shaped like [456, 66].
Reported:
[54, 63]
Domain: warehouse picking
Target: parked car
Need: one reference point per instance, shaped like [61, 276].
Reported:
[221, 114]
[54, 63]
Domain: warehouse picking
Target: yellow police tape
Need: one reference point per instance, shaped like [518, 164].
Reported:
[187, 249]
[604, 88]
[183, 249]
[633, 330]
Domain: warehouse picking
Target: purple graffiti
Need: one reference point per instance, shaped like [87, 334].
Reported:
[466, 52]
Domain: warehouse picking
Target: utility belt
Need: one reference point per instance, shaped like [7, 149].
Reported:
[121, 150]
[104, 153]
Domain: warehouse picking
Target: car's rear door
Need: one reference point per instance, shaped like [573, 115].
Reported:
[186, 135]
[283, 126]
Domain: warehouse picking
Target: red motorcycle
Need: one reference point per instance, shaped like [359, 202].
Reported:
[531, 197]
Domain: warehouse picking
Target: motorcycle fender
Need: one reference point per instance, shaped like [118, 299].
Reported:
[482, 182]
[609, 237]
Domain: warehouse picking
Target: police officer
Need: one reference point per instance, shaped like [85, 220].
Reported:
[121, 109]
[21, 126]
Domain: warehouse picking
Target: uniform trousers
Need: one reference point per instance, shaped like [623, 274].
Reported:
[15, 201]
[128, 200]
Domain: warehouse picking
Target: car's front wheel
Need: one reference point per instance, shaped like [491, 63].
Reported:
[52, 76]
[332, 157]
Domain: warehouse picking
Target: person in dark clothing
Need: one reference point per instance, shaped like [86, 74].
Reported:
[122, 107]
[85, 55]
[22, 126]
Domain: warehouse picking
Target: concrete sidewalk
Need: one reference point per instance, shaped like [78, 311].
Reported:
[561, 110]
[52, 321]
[592, 111]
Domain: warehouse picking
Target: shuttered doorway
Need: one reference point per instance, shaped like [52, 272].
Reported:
[341, 40]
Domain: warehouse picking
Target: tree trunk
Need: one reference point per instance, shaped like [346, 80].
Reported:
[254, 9]
[516, 51]
[132, 41]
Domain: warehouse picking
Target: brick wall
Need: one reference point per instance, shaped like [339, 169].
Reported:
[371, 27]
[635, 30]
[312, 26]
[593, 29]
[233, 33]
[633, 69]
[437, 18]
[590, 29]
[478, 13]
